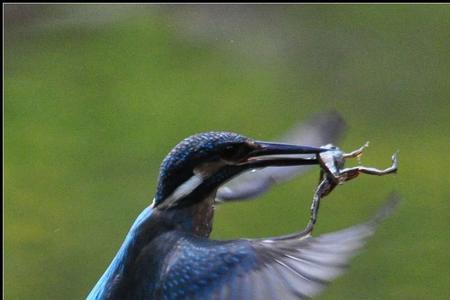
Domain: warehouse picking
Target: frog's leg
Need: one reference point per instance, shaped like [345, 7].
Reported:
[321, 175]
[357, 152]
[350, 173]
[323, 189]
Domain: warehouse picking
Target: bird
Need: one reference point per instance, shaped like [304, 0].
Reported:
[168, 253]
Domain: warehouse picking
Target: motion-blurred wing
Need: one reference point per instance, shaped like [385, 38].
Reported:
[321, 129]
[290, 267]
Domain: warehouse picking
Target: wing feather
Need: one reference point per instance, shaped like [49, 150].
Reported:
[289, 267]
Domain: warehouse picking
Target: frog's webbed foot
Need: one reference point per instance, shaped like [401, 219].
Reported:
[350, 173]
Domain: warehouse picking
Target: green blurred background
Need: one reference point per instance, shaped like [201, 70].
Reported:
[96, 95]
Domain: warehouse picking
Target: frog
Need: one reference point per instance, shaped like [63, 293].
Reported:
[334, 173]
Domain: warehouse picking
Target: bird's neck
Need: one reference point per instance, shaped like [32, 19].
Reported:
[195, 219]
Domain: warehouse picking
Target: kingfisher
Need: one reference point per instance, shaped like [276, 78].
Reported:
[167, 254]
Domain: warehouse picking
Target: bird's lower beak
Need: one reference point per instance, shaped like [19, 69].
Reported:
[279, 154]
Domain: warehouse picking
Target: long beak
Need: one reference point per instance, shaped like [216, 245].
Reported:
[271, 154]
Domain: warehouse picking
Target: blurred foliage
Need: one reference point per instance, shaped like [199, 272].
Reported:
[95, 96]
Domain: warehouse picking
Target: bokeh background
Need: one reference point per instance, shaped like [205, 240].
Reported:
[96, 95]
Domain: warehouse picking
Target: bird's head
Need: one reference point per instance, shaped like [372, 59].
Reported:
[199, 164]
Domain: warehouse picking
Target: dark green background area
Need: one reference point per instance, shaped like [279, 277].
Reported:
[95, 97]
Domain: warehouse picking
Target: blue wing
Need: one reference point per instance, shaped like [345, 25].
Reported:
[323, 128]
[103, 287]
[290, 267]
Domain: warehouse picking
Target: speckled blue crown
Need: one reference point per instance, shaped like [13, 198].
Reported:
[177, 167]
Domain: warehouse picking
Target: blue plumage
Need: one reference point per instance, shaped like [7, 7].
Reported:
[116, 267]
[167, 253]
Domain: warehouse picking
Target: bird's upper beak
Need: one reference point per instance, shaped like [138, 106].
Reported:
[280, 154]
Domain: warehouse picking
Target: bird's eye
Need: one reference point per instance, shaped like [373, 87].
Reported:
[233, 152]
